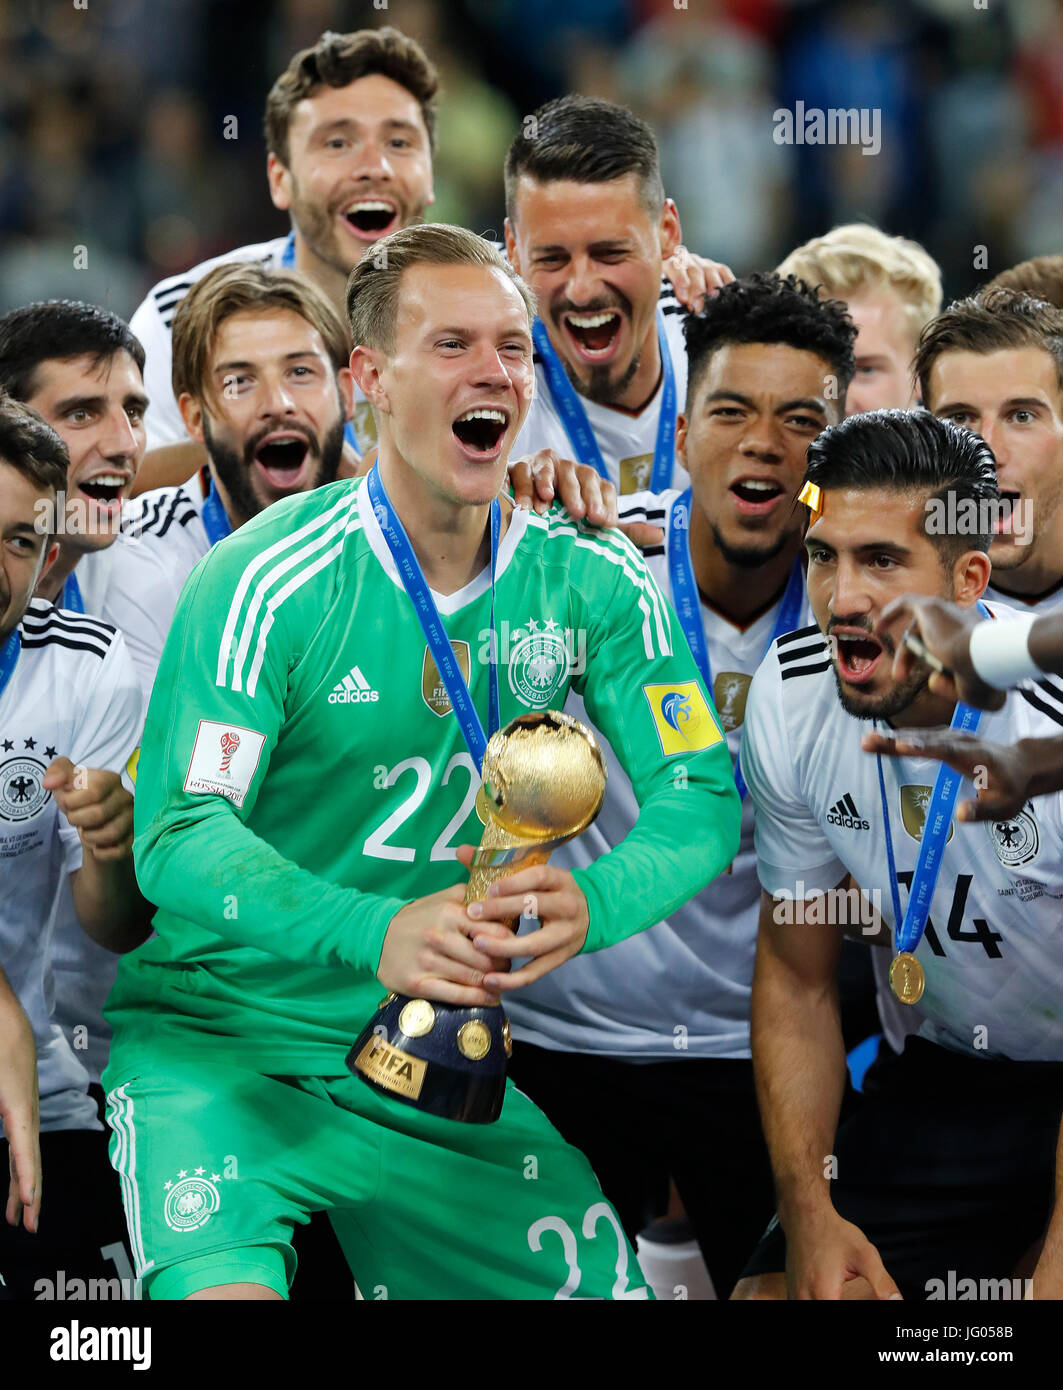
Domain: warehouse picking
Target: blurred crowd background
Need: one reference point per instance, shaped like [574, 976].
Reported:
[112, 120]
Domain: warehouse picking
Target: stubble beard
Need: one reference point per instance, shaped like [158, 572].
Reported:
[749, 557]
[887, 706]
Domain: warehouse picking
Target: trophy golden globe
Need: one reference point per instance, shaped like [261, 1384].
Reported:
[543, 783]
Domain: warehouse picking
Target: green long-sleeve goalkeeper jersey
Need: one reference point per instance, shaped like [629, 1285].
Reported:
[302, 775]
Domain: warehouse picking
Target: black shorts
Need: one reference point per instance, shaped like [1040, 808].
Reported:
[694, 1120]
[81, 1250]
[947, 1167]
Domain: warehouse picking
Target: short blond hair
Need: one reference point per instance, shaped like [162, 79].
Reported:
[373, 287]
[858, 257]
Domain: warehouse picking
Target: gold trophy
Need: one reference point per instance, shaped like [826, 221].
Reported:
[543, 783]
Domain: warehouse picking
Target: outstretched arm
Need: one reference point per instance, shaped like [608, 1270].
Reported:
[973, 659]
[1005, 778]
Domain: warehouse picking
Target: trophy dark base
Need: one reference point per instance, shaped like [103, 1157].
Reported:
[431, 1072]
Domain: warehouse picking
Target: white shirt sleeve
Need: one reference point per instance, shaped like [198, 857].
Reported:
[108, 731]
[144, 595]
[163, 424]
[794, 856]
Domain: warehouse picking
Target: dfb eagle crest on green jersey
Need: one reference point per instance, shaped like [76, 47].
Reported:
[302, 776]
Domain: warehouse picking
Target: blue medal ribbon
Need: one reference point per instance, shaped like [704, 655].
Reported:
[215, 519]
[688, 606]
[909, 926]
[8, 657]
[71, 595]
[420, 594]
[574, 416]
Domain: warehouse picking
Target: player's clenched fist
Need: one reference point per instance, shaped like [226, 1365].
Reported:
[96, 805]
[428, 952]
[552, 895]
[825, 1252]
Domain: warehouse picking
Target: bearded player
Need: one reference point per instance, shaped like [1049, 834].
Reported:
[589, 227]
[948, 1164]
[627, 1051]
[276, 935]
[350, 130]
[995, 364]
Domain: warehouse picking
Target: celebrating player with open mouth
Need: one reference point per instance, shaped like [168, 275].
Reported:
[350, 126]
[589, 227]
[947, 1165]
[627, 1051]
[302, 847]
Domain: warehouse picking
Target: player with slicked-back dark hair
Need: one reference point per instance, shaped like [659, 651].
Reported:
[928, 1186]
[585, 140]
[633, 1049]
[589, 228]
[910, 450]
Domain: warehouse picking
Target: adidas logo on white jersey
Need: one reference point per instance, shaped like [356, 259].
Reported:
[354, 689]
[845, 814]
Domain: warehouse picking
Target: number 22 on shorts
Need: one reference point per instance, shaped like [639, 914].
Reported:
[558, 1226]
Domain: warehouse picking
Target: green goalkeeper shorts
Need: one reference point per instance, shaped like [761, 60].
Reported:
[218, 1164]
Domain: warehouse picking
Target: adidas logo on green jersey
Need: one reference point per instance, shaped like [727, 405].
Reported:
[354, 689]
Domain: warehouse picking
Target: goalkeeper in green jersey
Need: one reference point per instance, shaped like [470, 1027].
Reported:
[304, 821]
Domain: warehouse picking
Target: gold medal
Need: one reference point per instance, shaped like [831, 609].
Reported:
[387, 999]
[507, 1039]
[417, 1018]
[474, 1040]
[906, 978]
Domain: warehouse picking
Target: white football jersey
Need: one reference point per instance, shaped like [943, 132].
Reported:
[993, 946]
[682, 988]
[94, 575]
[899, 1020]
[74, 694]
[162, 539]
[133, 585]
[626, 438]
[152, 323]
